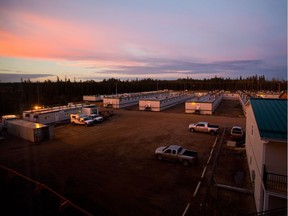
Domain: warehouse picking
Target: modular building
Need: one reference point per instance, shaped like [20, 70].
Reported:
[94, 98]
[163, 102]
[124, 100]
[30, 131]
[205, 104]
[268, 94]
[56, 114]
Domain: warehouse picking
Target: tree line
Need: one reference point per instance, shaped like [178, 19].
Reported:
[16, 97]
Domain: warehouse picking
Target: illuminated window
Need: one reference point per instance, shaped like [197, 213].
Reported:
[46, 117]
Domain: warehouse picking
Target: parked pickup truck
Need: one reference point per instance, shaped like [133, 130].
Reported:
[204, 127]
[176, 153]
[237, 133]
[96, 118]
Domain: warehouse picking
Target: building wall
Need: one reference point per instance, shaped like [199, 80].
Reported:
[33, 132]
[206, 107]
[53, 114]
[92, 98]
[152, 105]
[203, 107]
[276, 150]
[118, 103]
[255, 156]
[162, 104]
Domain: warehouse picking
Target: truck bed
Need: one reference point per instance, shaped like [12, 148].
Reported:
[213, 126]
[190, 153]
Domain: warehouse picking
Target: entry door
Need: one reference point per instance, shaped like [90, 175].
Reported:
[56, 117]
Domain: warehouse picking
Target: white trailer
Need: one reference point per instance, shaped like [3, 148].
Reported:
[125, 100]
[94, 98]
[163, 102]
[90, 109]
[206, 104]
[52, 115]
[30, 131]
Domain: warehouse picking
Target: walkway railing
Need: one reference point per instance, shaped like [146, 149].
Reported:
[275, 182]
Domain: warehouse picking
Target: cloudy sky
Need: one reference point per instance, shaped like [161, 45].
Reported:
[129, 39]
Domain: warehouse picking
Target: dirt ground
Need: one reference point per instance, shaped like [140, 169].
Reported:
[110, 168]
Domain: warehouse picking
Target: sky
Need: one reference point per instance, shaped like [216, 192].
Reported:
[138, 39]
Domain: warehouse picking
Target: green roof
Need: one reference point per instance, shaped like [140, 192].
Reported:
[271, 117]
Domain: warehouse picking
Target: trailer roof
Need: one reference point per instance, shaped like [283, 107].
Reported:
[27, 124]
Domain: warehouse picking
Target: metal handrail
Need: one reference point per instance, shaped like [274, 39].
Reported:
[274, 181]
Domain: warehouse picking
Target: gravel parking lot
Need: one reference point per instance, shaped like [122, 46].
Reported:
[110, 168]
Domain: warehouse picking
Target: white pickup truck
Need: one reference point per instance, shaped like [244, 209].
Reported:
[176, 153]
[204, 127]
[97, 118]
[81, 119]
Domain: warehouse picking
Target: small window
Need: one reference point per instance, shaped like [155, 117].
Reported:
[46, 117]
[174, 151]
[168, 151]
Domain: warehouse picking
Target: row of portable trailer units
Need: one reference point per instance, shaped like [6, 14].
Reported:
[204, 104]
[195, 102]
[162, 102]
[58, 114]
[38, 124]
[125, 100]
[199, 102]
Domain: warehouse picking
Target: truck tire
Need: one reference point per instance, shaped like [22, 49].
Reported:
[159, 157]
[212, 132]
[192, 130]
[73, 123]
[86, 125]
[185, 163]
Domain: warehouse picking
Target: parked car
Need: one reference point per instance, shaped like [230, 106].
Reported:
[177, 154]
[96, 118]
[237, 133]
[204, 127]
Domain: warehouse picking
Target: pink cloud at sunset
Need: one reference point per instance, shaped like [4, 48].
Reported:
[152, 39]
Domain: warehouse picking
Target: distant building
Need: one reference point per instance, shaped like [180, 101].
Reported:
[283, 95]
[204, 104]
[164, 101]
[120, 101]
[266, 149]
[53, 115]
[30, 131]
[93, 98]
